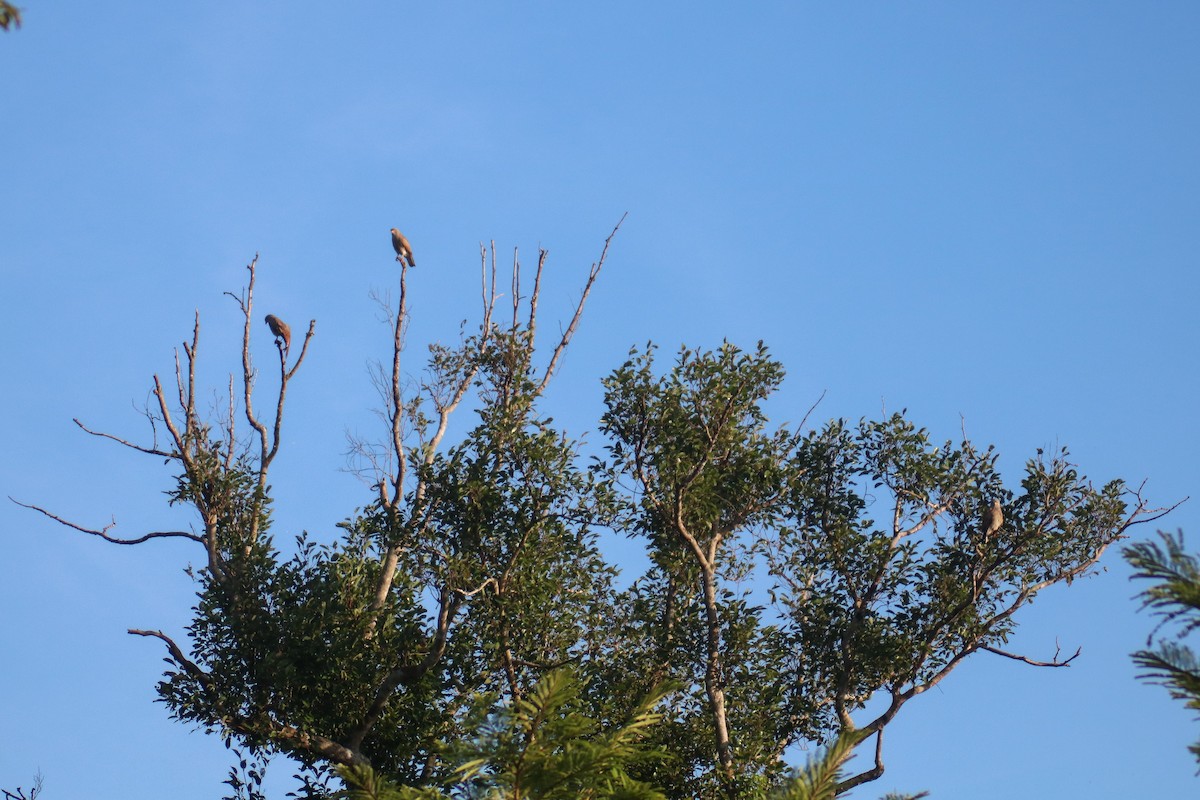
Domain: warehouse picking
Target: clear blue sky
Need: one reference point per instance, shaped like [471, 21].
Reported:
[988, 210]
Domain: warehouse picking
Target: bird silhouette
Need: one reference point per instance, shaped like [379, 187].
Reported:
[403, 250]
[280, 329]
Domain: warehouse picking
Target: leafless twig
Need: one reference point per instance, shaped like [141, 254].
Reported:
[1054, 662]
[587, 289]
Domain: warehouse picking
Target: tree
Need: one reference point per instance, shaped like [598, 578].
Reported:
[855, 608]
[449, 611]
[1175, 597]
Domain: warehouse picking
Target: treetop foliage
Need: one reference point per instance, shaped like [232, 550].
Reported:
[463, 634]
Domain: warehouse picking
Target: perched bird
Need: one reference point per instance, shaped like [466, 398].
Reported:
[280, 329]
[402, 248]
[993, 518]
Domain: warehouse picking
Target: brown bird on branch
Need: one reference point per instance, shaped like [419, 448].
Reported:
[280, 329]
[403, 249]
[993, 518]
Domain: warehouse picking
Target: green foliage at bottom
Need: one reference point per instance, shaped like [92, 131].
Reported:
[543, 746]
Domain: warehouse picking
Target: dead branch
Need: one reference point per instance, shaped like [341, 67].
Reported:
[537, 291]
[812, 408]
[231, 424]
[268, 444]
[177, 655]
[397, 403]
[285, 377]
[516, 288]
[246, 304]
[191, 420]
[151, 451]
[1054, 662]
[176, 436]
[179, 380]
[103, 532]
[312, 329]
[444, 409]
[1151, 514]
[587, 289]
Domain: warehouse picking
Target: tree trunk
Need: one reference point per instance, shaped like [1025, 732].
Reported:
[713, 681]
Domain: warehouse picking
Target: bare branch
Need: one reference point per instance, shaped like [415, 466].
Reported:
[246, 303]
[1151, 514]
[444, 409]
[483, 282]
[537, 291]
[179, 380]
[152, 451]
[176, 436]
[312, 328]
[187, 390]
[1054, 662]
[103, 532]
[177, 655]
[268, 445]
[812, 408]
[231, 424]
[516, 288]
[587, 288]
[397, 395]
[285, 376]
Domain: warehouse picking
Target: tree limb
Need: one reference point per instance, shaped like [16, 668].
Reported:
[285, 735]
[151, 451]
[103, 532]
[873, 773]
[177, 656]
[1054, 662]
[570, 331]
[448, 606]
